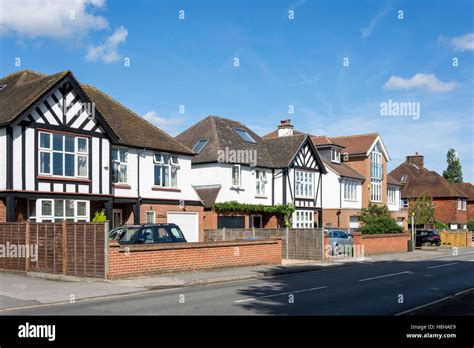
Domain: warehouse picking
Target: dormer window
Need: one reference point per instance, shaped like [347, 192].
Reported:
[200, 145]
[335, 155]
[404, 179]
[244, 135]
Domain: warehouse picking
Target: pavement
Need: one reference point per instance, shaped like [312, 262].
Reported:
[420, 277]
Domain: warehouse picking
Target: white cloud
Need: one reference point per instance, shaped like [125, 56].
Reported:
[168, 124]
[463, 43]
[365, 32]
[57, 19]
[422, 81]
[108, 51]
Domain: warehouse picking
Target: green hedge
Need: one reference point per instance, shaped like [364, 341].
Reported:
[279, 209]
[380, 225]
[441, 226]
[470, 225]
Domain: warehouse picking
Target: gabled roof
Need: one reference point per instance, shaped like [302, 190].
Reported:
[343, 170]
[208, 194]
[420, 180]
[24, 88]
[467, 188]
[361, 144]
[392, 181]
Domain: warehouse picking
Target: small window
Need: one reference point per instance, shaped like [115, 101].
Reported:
[158, 158]
[336, 155]
[404, 179]
[200, 145]
[174, 160]
[150, 217]
[244, 135]
[236, 175]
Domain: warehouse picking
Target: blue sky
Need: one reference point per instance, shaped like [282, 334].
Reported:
[400, 56]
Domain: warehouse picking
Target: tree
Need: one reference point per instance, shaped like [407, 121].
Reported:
[453, 172]
[424, 210]
[373, 211]
[376, 220]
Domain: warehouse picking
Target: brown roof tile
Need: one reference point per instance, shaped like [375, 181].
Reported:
[208, 194]
[467, 188]
[344, 170]
[356, 144]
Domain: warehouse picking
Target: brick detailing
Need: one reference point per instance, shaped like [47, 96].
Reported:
[133, 260]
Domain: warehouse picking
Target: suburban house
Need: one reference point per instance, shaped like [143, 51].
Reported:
[468, 189]
[357, 176]
[450, 202]
[68, 150]
[234, 164]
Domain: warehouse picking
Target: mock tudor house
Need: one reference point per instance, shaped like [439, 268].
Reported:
[234, 164]
[450, 202]
[357, 176]
[68, 150]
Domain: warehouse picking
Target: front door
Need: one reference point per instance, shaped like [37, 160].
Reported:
[117, 217]
[256, 221]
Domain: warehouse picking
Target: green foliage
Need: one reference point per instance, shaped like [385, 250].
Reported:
[470, 225]
[453, 172]
[279, 209]
[373, 211]
[380, 225]
[99, 216]
[442, 226]
[424, 210]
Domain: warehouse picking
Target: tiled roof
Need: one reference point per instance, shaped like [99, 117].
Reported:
[356, 144]
[467, 188]
[343, 170]
[208, 194]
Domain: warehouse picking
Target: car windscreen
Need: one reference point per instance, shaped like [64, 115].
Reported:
[128, 234]
[177, 234]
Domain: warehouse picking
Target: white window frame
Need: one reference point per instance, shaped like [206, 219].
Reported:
[350, 190]
[172, 165]
[251, 220]
[459, 207]
[154, 216]
[303, 219]
[335, 155]
[304, 184]
[232, 183]
[464, 204]
[392, 195]
[76, 153]
[260, 182]
[121, 163]
[375, 161]
[40, 217]
[376, 190]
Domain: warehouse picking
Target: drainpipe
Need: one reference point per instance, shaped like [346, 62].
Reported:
[136, 211]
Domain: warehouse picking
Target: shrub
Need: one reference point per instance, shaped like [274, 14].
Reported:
[470, 225]
[99, 216]
[380, 225]
[441, 226]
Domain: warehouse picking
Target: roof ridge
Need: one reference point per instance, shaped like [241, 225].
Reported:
[355, 135]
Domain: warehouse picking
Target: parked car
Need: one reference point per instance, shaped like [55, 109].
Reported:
[146, 234]
[427, 237]
[338, 240]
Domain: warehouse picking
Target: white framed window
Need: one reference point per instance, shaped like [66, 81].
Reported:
[261, 181]
[63, 155]
[405, 203]
[335, 155]
[304, 183]
[236, 180]
[57, 210]
[166, 170]
[119, 165]
[376, 190]
[376, 167]
[303, 219]
[350, 190]
[392, 195]
[150, 217]
[464, 204]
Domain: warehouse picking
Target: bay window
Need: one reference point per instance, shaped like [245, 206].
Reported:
[63, 155]
[57, 210]
[392, 195]
[166, 170]
[350, 190]
[119, 165]
[303, 184]
[261, 181]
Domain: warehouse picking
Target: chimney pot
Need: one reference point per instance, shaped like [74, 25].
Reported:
[285, 128]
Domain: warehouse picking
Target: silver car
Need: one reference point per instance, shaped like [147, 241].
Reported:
[338, 241]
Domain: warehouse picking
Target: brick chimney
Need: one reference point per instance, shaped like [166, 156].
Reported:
[416, 159]
[285, 128]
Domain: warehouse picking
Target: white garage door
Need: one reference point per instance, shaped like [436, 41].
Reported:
[187, 222]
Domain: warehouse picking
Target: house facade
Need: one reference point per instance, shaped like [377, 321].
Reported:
[234, 164]
[357, 176]
[68, 150]
[449, 201]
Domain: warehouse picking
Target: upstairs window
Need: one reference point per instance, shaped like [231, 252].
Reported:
[376, 167]
[376, 190]
[166, 170]
[63, 155]
[200, 145]
[392, 195]
[462, 204]
[404, 179]
[335, 155]
[261, 181]
[304, 184]
[119, 165]
[236, 179]
[350, 190]
[244, 135]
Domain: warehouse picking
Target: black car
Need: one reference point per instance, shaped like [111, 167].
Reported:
[427, 237]
[147, 234]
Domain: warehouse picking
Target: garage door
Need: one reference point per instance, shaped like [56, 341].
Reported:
[187, 222]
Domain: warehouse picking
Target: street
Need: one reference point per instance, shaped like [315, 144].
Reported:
[378, 288]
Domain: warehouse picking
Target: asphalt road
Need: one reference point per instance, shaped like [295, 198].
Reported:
[382, 288]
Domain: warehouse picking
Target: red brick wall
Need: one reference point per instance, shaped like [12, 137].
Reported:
[470, 211]
[446, 211]
[3, 210]
[382, 243]
[182, 257]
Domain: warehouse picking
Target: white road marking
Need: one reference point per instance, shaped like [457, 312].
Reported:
[280, 294]
[444, 265]
[386, 275]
